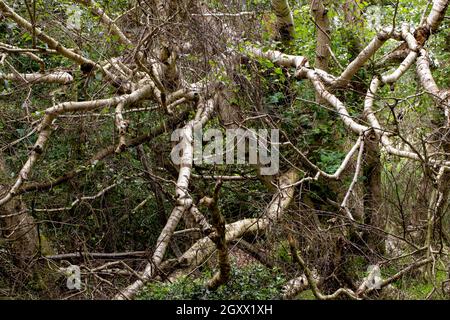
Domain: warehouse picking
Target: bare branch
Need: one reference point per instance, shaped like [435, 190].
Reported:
[107, 21]
[54, 77]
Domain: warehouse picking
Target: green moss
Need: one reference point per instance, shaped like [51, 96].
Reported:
[306, 295]
[418, 289]
[46, 248]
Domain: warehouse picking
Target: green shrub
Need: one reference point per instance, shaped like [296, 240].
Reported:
[252, 282]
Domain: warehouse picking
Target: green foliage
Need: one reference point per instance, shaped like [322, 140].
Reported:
[252, 282]
[304, 43]
[275, 98]
[330, 160]
[306, 295]
[415, 286]
[283, 252]
[418, 289]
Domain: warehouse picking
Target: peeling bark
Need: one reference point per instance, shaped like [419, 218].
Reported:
[285, 20]
[55, 77]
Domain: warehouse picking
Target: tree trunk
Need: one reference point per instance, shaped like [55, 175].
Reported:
[373, 202]
[285, 20]
[17, 226]
[319, 13]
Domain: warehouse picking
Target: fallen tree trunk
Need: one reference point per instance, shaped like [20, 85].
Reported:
[204, 247]
[184, 201]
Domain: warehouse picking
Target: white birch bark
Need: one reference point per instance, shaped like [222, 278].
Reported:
[285, 19]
